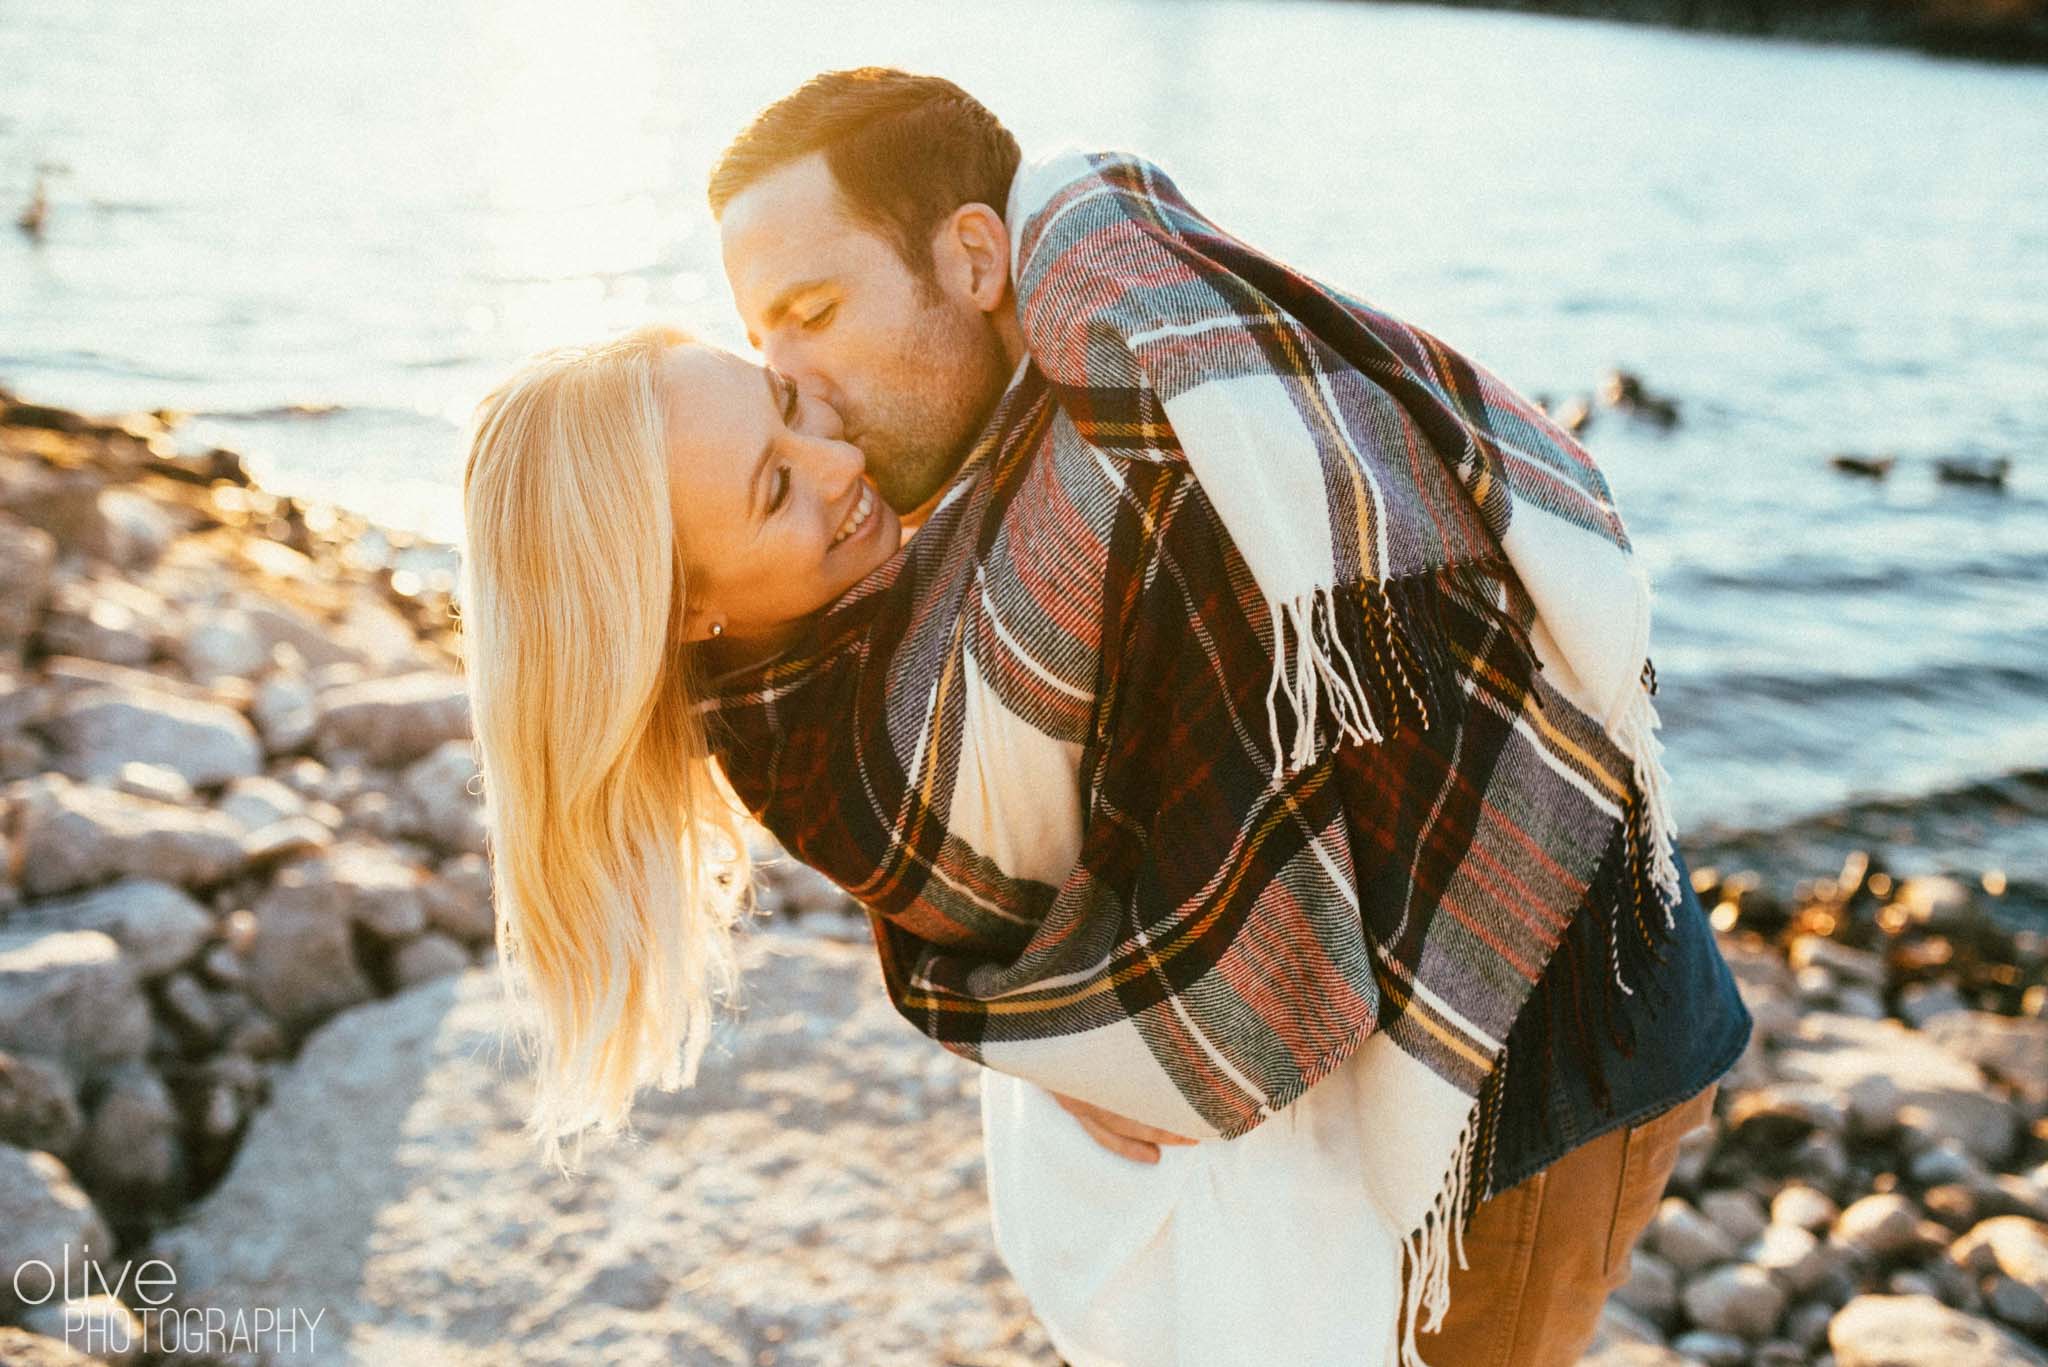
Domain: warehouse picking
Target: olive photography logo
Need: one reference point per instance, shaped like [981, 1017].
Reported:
[156, 1325]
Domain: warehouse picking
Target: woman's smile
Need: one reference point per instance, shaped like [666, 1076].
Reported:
[859, 517]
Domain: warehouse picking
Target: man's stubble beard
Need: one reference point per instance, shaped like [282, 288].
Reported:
[918, 444]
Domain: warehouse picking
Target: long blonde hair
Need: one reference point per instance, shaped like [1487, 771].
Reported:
[618, 853]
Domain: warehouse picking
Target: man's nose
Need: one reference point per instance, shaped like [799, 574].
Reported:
[792, 358]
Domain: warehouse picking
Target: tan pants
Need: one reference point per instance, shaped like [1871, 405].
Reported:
[1542, 1257]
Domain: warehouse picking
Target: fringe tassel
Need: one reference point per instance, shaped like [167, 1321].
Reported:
[1635, 731]
[1358, 662]
[1427, 1250]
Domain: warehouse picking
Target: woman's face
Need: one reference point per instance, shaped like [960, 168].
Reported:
[776, 514]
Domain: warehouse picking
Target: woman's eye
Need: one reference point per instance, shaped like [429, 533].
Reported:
[820, 318]
[781, 494]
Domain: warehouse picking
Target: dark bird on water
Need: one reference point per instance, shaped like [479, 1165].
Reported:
[1625, 391]
[1983, 474]
[1869, 467]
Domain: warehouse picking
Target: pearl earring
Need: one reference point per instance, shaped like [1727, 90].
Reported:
[718, 628]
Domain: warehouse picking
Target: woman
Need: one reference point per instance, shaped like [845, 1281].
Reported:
[1119, 864]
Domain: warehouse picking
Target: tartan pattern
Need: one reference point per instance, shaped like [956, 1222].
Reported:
[1079, 606]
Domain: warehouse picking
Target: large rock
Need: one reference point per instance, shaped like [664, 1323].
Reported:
[46, 1219]
[394, 721]
[439, 786]
[824, 1140]
[26, 557]
[100, 729]
[2010, 1244]
[1913, 1331]
[71, 997]
[223, 643]
[1849, 1055]
[131, 1145]
[155, 924]
[38, 1105]
[301, 962]
[76, 836]
[1735, 1299]
[2013, 1048]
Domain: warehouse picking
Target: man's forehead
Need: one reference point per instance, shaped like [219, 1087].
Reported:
[788, 228]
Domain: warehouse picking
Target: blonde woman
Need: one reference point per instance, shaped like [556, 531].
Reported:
[625, 501]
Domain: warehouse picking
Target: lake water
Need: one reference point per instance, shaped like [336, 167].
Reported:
[325, 231]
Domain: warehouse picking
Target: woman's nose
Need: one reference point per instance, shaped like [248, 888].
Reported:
[835, 465]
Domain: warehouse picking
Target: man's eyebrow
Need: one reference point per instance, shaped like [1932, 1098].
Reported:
[779, 306]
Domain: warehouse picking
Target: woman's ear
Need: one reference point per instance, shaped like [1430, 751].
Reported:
[702, 624]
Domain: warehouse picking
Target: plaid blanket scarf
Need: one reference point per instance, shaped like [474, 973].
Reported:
[1269, 686]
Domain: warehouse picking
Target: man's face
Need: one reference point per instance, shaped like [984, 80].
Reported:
[913, 370]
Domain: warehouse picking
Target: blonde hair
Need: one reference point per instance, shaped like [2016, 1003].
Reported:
[617, 850]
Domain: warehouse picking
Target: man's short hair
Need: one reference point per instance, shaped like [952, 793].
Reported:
[905, 150]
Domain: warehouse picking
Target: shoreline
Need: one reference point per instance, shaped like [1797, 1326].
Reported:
[2016, 38]
[243, 888]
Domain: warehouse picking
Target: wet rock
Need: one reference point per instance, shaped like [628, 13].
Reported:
[1735, 1299]
[27, 555]
[1686, 1239]
[1950, 1094]
[448, 813]
[1842, 962]
[2016, 1304]
[458, 899]
[71, 997]
[1738, 1214]
[1806, 1324]
[302, 963]
[1879, 1226]
[101, 1322]
[2004, 1046]
[427, 957]
[153, 781]
[258, 800]
[43, 1213]
[1920, 1003]
[114, 624]
[38, 1105]
[223, 642]
[285, 712]
[1795, 1257]
[1937, 903]
[26, 1348]
[1907, 1331]
[1711, 1347]
[98, 730]
[75, 836]
[156, 925]
[1804, 1207]
[1651, 1289]
[294, 837]
[394, 721]
[131, 1142]
[1784, 1113]
[2010, 1244]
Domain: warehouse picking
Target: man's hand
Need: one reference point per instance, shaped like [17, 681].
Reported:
[1139, 1143]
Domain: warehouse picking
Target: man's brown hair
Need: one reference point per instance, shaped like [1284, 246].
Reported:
[905, 150]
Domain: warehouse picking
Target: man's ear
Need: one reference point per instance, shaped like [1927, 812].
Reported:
[978, 245]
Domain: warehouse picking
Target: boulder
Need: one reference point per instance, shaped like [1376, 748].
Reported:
[46, 1222]
[1685, 1238]
[38, 1105]
[394, 721]
[131, 1143]
[75, 836]
[1910, 1331]
[1842, 1054]
[1735, 1299]
[71, 997]
[27, 555]
[156, 925]
[100, 729]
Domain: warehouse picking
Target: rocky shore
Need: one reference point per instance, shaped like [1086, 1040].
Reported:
[247, 1082]
[1997, 31]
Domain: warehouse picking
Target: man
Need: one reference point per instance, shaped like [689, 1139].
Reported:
[863, 226]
